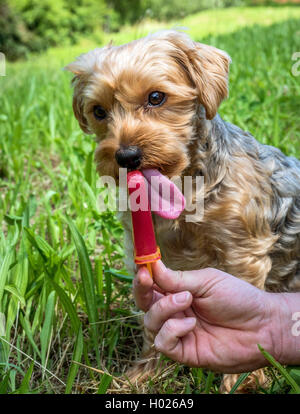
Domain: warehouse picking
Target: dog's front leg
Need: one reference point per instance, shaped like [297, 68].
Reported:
[125, 219]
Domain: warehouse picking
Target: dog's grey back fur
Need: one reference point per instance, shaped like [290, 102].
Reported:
[285, 221]
[284, 175]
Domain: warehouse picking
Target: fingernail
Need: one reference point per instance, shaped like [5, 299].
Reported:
[181, 297]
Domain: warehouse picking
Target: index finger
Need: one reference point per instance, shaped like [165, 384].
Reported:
[198, 282]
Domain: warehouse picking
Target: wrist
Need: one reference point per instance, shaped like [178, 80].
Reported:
[282, 327]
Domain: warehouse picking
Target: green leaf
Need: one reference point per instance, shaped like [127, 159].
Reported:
[90, 196]
[4, 384]
[67, 304]
[86, 272]
[52, 121]
[294, 372]
[4, 269]
[47, 326]
[52, 231]
[119, 275]
[99, 276]
[87, 282]
[21, 280]
[104, 383]
[283, 371]
[197, 374]
[239, 381]
[11, 314]
[10, 219]
[66, 251]
[88, 169]
[77, 355]
[25, 384]
[27, 329]
[40, 244]
[209, 381]
[2, 324]
[108, 290]
[14, 291]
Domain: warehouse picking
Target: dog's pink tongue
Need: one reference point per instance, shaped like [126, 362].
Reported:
[165, 198]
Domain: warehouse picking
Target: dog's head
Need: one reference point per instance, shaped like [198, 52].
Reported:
[140, 99]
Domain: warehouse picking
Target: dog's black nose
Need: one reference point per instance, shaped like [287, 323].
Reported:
[129, 157]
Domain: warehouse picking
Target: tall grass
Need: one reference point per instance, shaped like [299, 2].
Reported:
[67, 317]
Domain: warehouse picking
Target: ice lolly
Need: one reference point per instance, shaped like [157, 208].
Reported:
[146, 250]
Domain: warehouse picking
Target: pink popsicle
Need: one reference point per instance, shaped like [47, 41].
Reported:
[146, 249]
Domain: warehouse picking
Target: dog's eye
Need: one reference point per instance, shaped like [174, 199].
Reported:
[156, 98]
[99, 112]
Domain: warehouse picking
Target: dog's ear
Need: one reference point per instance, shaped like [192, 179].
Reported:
[210, 68]
[82, 68]
[207, 68]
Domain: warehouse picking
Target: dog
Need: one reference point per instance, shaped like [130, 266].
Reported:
[156, 99]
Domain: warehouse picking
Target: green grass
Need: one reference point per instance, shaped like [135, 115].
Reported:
[65, 297]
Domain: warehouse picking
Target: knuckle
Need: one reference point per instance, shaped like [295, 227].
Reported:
[178, 280]
[162, 305]
[170, 326]
[165, 273]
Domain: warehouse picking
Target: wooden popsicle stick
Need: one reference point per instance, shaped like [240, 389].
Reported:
[149, 269]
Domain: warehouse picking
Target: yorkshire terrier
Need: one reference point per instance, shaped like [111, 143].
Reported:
[155, 99]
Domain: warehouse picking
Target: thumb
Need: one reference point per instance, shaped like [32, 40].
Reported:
[195, 281]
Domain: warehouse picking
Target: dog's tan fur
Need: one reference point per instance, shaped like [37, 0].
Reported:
[251, 223]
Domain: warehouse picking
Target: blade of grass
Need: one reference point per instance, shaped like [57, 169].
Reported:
[89, 167]
[100, 371]
[209, 381]
[87, 282]
[35, 362]
[197, 375]
[25, 384]
[27, 329]
[239, 381]
[40, 244]
[294, 372]
[76, 358]
[4, 384]
[47, 326]
[99, 276]
[4, 269]
[108, 291]
[67, 304]
[14, 291]
[106, 379]
[119, 275]
[283, 371]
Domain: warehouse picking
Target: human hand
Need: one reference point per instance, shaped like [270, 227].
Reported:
[214, 321]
